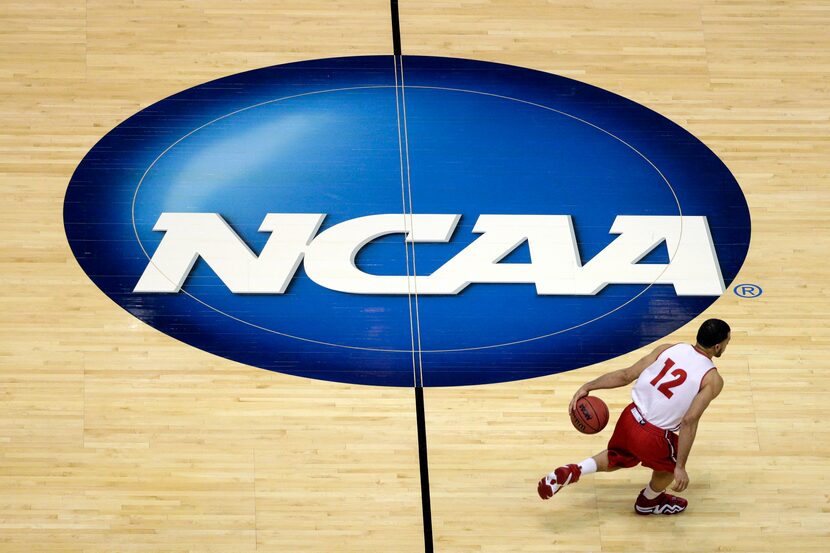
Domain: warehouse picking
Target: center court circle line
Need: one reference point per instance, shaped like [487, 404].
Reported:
[389, 350]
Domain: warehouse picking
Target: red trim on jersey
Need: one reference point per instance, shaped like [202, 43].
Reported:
[700, 351]
[702, 378]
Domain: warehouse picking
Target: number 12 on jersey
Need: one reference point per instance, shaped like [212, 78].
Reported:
[665, 387]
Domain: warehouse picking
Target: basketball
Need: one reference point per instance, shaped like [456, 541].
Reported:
[590, 415]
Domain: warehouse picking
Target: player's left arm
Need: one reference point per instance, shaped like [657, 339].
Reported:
[710, 389]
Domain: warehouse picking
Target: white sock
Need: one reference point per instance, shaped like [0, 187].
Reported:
[588, 466]
[649, 493]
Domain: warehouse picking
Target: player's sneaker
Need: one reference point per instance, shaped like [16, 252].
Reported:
[558, 479]
[663, 504]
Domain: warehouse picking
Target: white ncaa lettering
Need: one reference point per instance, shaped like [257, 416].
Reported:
[555, 267]
[189, 236]
[554, 258]
[693, 270]
[330, 260]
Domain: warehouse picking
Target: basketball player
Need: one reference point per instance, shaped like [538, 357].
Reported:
[675, 384]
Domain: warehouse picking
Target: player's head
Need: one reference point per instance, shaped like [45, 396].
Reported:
[714, 335]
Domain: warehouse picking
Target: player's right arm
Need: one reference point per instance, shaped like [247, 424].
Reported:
[710, 389]
[621, 377]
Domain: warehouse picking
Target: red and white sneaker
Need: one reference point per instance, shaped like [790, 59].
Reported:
[663, 504]
[558, 479]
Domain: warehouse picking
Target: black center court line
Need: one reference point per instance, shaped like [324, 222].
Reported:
[422, 456]
[426, 508]
[396, 29]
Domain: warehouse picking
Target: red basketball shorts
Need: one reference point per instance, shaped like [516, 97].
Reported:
[635, 442]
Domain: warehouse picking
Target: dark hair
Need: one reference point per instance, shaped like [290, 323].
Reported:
[712, 331]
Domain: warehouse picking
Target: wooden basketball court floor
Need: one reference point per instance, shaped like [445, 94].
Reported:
[116, 438]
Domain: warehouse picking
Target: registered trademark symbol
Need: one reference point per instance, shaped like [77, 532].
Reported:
[748, 290]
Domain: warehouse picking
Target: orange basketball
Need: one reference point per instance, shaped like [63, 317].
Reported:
[590, 415]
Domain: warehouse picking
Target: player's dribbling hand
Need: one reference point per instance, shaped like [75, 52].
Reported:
[681, 479]
[581, 392]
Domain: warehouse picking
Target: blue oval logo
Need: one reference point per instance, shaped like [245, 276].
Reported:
[459, 222]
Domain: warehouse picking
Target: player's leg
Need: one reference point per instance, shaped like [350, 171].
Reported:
[603, 464]
[653, 500]
[570, 474]
[613, 458]
[660, 480]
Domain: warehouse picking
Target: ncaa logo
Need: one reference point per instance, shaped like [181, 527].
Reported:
[476, 223]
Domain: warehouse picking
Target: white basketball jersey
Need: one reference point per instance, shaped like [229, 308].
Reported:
[665, 389]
